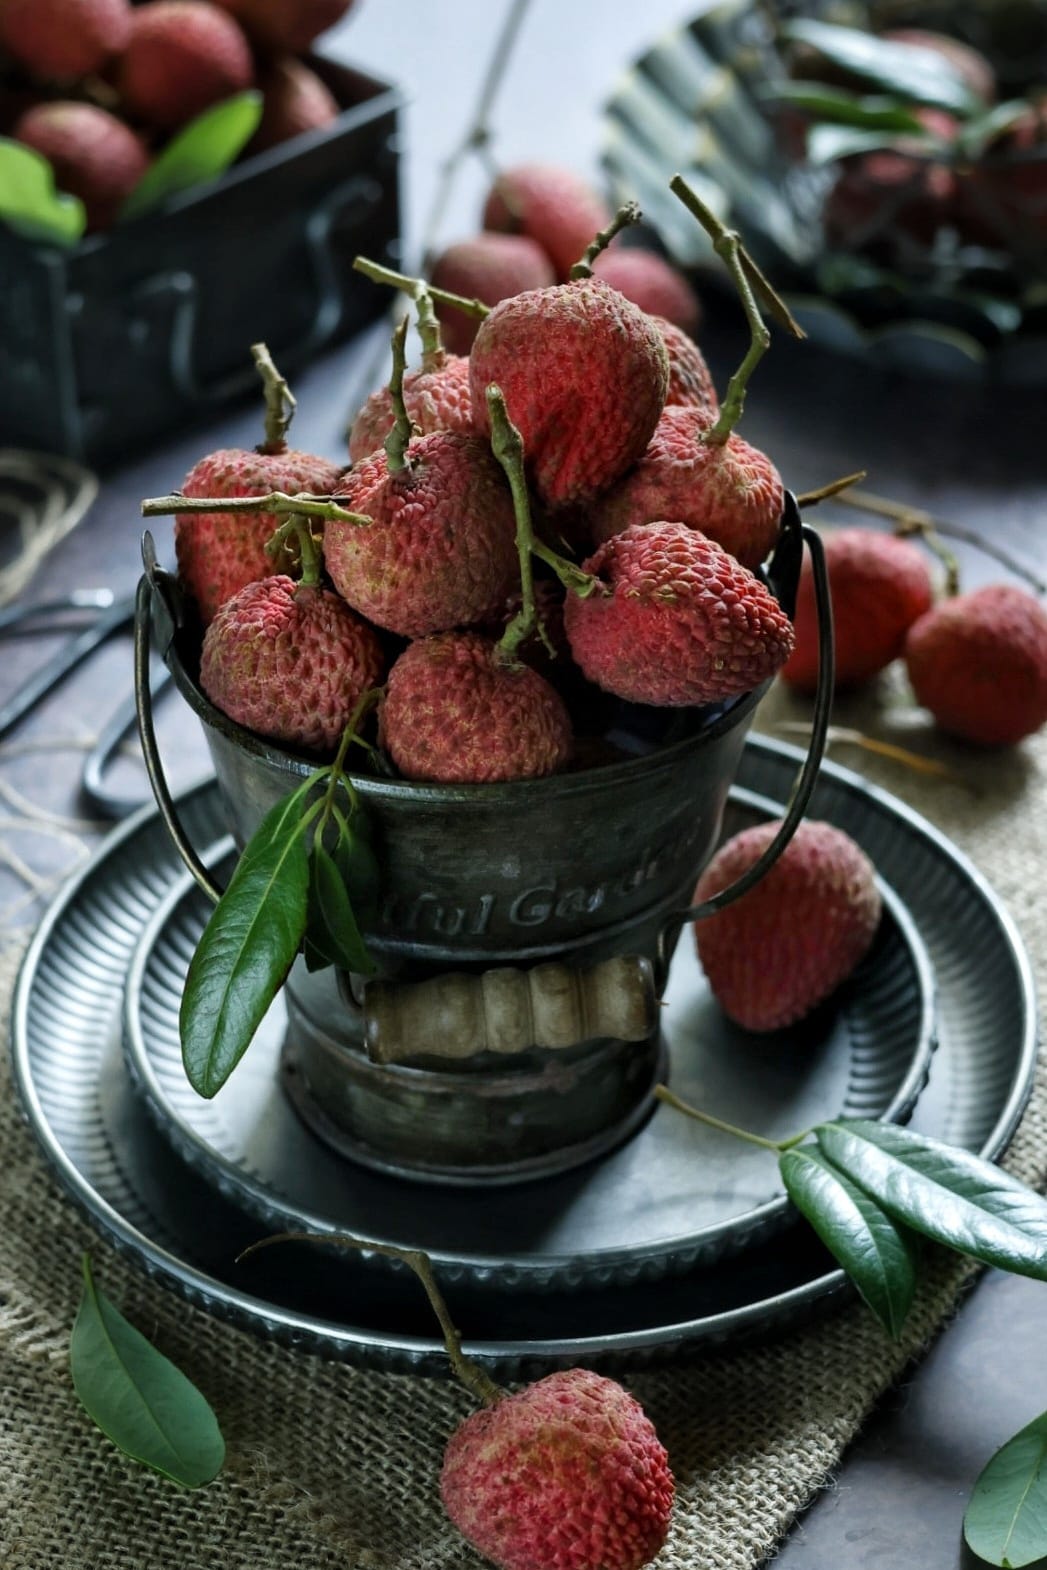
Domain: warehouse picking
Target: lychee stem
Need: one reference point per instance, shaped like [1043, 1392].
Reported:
[398, 440]
[663, 1093]
[471, 1374]
[628, 214]
[834, 488]
[507, 446]
[279, 503]
[433, 352]
[280, 402]
[296, 527]
[848, 736]
[379, 274]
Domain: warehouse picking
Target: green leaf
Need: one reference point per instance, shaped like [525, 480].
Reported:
[986, 128]
[137, 1397]
[879, 1256]
[843, 108]
[29, 202]
[1006, 1519]
[828, 143]
[202, 150]
[332, 931]
[921, 75]
[948, 1194]
[357, 861]
[247, 947]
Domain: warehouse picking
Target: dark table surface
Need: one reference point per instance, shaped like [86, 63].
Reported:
[974, 455]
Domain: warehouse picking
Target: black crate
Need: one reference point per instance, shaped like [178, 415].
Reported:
[135, 332]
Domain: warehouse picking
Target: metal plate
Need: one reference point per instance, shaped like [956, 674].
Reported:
[76, 1092]
[673, 1195]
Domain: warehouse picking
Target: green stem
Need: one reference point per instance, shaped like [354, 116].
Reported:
[279, 401]
[471, 1374]
[337, 774]
[433, 352]
[663, 1093]
[834, 488]
[626, 215]
[296, 527]
[766, 291]
[394, 280]
[277, 502]
[398, 440]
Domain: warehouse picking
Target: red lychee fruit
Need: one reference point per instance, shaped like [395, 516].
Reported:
[970, 65]
[584, 374]
[437, 398]
[294, 101]
[440, 550]
[453, 712]
[979, 663]
[650, 282]
[730, 491]
[878, 585]
[567, 1474]
[58, 40]
[286, 26]
[94, 155]
[683, 622]
[218, 553]
[488, 267]
[882, 196]
[182, 57]
[785, 946]
[552, 206]
[289, 662]
[690, 381]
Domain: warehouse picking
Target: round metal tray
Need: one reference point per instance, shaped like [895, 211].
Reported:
[91, 1126]
[673, 1195]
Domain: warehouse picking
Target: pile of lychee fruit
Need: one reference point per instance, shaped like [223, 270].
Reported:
[97, 87]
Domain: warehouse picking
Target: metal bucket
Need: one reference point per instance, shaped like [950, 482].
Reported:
[523, 934]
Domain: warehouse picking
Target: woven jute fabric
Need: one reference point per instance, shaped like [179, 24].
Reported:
[330, 1466]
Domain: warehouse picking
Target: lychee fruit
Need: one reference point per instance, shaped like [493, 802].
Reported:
[437, 396]
[553, 206]
[286, 26]
[289, 662]
[978, 661]
[729, 490]
[59, 40]
[182, 57]
[440, 549]
[690, 380]
[584, 374]
[567, 1474]
[787, 944]
[488, 267]
[94, 155]
[675, 620]
[218, 553]
[294, 101]
[882, 197]
[878, 585]
[454, 712]
[650, 282]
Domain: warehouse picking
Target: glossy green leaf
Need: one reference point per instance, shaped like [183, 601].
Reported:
[1006, 1519]
[202, 150]
[879, 1256]
[332, 929]
[827, 144]
[247, 948]
[833, 103]
[357, 861]
[137, 1397]
[29, 202]
[979, 134]
[945, 1193]
[922, 75]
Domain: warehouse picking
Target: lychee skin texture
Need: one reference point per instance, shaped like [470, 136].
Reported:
[286, 26]
[684, 623]
[94, 155]
[440, 550]
[219, 553]
[437, 399]
[567, 1474]
[294, 101]
[786, 945]
[730, 491]
[453, 713]
[488, 267]
[554, 207]
[58, 40]
[979, 663]
[584, 375]
[650, 282]
[182, 57]
[878, 585]
[289, 663]
[690, 380]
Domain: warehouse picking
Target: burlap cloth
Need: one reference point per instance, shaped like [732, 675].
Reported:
[328, 1466]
